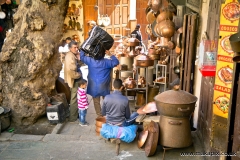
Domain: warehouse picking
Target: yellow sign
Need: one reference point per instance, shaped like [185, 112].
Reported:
[229, 18]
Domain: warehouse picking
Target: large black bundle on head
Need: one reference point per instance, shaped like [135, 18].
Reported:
[97, 43]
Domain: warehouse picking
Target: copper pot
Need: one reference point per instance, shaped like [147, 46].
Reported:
[175, 103]
[165, 15]
[133, 42]
[167, 29]
[142, 60]
[130, 83]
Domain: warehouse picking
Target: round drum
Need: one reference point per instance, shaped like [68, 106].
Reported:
[175, 132]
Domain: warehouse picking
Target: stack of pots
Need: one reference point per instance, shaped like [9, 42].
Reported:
[99, 122]
[175, 108]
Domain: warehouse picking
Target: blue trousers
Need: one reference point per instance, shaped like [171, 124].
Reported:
[131, 120]
[82, 115]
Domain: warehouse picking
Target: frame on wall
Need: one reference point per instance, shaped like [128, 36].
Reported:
[194, 5]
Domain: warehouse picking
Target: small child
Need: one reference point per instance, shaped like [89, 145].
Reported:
[82, 102]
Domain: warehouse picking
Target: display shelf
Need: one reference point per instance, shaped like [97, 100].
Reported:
[161, 71]
[137, 88]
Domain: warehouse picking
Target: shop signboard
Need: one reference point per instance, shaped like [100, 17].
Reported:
[229, 19]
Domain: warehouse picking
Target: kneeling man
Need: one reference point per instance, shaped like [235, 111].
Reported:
[116, 107]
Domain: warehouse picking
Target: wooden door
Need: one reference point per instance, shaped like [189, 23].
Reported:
[207, 87]
[89, 14]
[118, 11]
[141, 18]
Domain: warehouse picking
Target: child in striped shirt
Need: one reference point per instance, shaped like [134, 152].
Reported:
[82, 101]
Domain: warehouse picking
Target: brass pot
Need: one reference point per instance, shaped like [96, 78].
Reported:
[175, 132]
[143, 60]
[175, 103]
[165, 15]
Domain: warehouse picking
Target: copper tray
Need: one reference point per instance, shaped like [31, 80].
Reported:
[142, 138]
[152, 139]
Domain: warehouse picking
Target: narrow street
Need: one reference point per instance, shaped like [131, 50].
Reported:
[74, 142]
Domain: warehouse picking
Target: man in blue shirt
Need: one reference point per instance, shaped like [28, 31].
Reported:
[99, 77]
[116, 107]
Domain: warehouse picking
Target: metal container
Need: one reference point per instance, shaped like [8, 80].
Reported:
[141, 98]
[175, 132]
[5, 118]
[152, 92]
[143, 60]
[164, 16]
[128, 61]
[175, 103]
